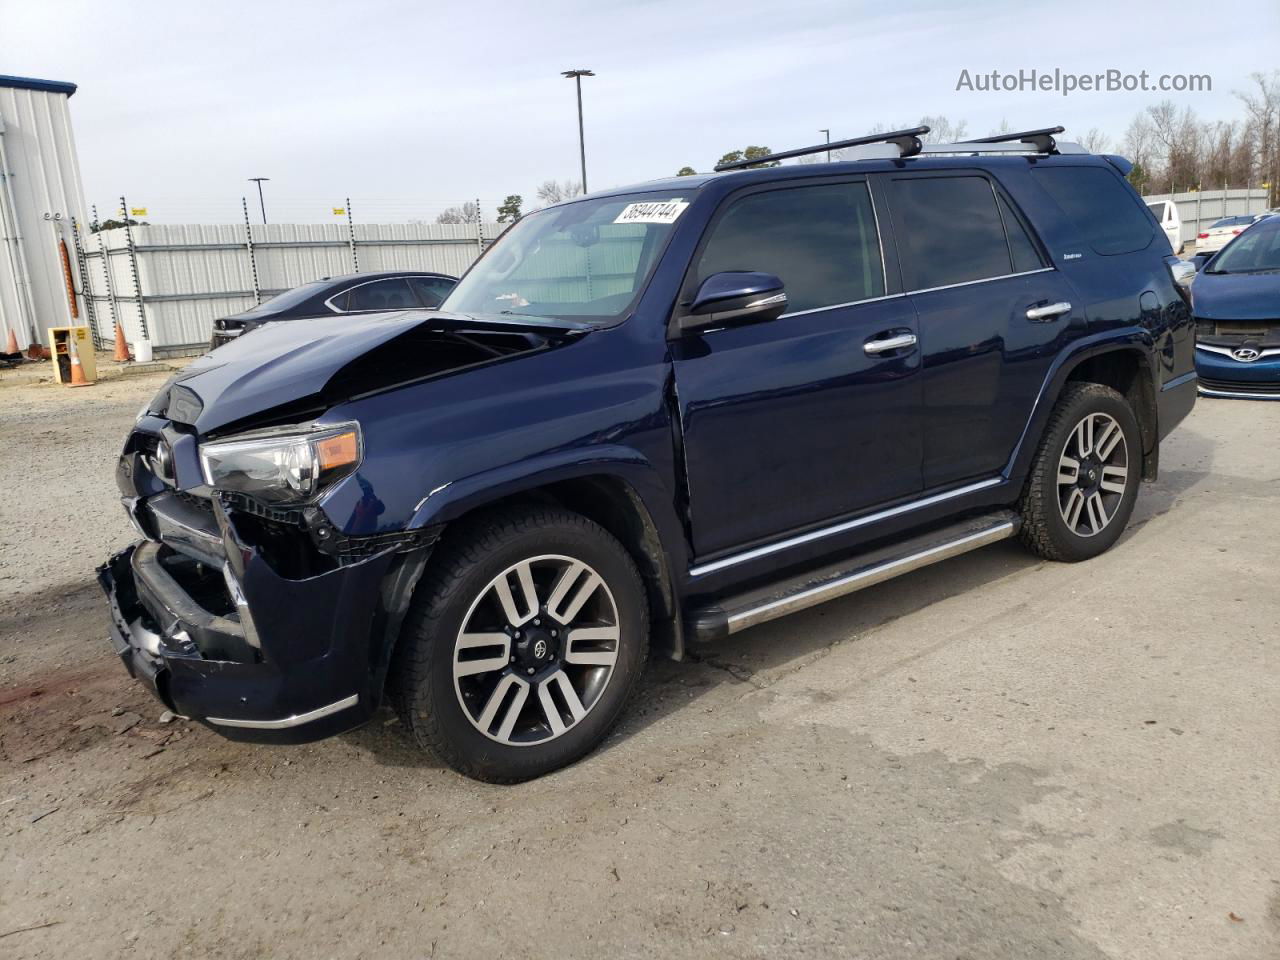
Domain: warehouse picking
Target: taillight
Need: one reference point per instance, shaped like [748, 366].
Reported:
[1202, 236]
[1235, 233]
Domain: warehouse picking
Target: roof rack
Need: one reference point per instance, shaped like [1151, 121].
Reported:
[899, 144]
[1042, 139]
[907, 141]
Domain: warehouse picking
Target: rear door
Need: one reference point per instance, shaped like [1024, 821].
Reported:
[992, 315]
[791, 423]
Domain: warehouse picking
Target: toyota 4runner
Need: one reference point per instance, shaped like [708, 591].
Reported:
[644, 417]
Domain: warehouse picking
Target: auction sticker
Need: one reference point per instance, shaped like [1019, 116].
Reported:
[660, 211]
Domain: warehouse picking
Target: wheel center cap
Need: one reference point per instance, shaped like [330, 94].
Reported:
[535, 647]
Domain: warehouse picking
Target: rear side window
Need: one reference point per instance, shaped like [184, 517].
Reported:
[382, 295]
[1026, 255]
[1157, 211]
[951, 230]
[431, 290]
[1103, 208]
[821, 241]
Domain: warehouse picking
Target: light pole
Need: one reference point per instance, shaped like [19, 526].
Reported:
[261, 203]
[577, 76]
[828, 133]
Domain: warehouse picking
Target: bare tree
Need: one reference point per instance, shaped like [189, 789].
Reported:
[1095, 141]
[1262, 130]
[942, 130]
[467, 213]
[553, 191]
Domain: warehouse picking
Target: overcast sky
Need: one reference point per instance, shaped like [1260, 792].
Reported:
[411, 106]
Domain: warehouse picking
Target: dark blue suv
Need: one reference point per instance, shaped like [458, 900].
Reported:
[645, 417]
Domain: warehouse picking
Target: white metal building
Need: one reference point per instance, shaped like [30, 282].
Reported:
[40, 191]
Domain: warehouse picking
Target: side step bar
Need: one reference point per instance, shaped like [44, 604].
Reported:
[810, 589]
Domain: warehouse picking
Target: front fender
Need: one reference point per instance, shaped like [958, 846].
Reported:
[451, 500]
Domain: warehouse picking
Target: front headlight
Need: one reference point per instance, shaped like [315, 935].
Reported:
[285, 467]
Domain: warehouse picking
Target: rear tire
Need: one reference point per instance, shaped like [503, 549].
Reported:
[1084, 480]
[522, 645]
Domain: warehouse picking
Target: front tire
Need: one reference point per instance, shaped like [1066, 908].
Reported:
[523, 644]
[1084, 480]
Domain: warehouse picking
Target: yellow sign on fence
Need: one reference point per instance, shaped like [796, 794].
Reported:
[339, 211]
[137, 211]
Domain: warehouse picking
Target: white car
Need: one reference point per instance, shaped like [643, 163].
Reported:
[1223, 232]
[1166, 214]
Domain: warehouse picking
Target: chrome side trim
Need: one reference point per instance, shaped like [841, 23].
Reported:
[838, 306]
[868, 577]
[970, 283]
[1232, 394]
[908, 293]
[1177, 381]
[770, 548]
[296, 720]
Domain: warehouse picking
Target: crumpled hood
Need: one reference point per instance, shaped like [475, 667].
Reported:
[1236, 296]
[291, 363]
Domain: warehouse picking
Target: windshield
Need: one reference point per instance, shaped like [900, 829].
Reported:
[290, 298]
[1231, 222]
[1254, 251]
[584, 261]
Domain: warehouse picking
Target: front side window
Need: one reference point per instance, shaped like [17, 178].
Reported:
[951, 231]
[1157, 211]
[382, 295]
[821, 241]
[588, 260]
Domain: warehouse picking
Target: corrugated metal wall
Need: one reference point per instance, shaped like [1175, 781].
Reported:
[190, 275]
[39, 194]
[1198, 210]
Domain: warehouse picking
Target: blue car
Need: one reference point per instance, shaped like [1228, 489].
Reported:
[1236, 302]
[645, 417]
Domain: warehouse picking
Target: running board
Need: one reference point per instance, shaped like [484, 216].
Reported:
[808, 590]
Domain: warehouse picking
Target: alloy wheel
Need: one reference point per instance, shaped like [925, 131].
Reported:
[1093, 473]
[537, 648]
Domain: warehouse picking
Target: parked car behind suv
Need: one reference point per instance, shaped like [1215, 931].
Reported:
[355, 293]
[648, 416]
[1236, 302]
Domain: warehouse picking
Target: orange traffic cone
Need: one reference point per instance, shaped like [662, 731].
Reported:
[122, 346]
[12, 346]
[77, 371]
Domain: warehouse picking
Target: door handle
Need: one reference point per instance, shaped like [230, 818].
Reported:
[1048, 312]
[897, 342]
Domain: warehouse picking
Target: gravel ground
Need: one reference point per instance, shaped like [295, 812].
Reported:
[993, 757]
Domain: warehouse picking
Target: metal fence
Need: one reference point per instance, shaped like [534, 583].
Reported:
[167, 283]
[1197, 209]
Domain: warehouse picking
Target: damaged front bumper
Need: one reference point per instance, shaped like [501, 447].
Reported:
[223, 631]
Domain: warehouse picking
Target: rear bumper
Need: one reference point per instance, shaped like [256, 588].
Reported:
[253, 654]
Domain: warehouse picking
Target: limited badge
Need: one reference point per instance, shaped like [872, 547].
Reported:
[660, 211]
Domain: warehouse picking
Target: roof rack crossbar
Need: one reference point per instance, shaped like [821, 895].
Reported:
[1041, 139]
[907, 141]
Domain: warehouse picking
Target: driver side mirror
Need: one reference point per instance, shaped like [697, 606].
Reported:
[734, 297]
[1199, 260]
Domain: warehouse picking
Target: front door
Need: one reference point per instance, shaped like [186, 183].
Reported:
[792, 423]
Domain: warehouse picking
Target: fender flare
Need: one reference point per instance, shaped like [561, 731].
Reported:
[647, 494]
[1134, 340]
